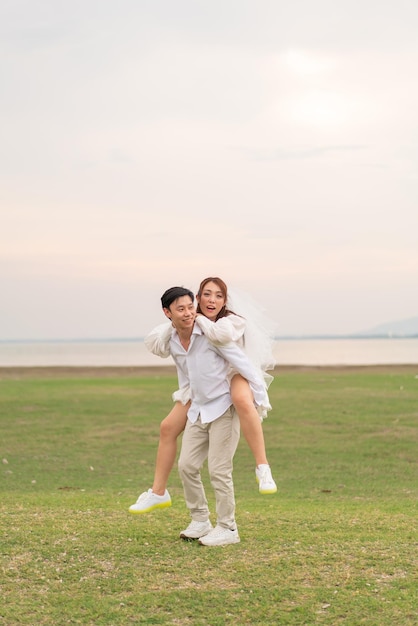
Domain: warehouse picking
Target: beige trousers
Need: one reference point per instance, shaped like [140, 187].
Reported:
[216, 442]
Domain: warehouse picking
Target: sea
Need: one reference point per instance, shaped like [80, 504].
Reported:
[132, 352]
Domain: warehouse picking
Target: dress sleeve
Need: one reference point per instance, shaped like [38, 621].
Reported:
[158, 340]
[225, 330]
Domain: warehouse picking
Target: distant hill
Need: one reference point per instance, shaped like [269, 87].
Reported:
[400, 328]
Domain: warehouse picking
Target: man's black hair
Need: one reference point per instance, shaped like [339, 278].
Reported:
[172, 294]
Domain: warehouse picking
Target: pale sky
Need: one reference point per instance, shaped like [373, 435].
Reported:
[152, 143]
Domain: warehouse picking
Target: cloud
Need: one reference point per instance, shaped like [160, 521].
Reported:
[154, 143]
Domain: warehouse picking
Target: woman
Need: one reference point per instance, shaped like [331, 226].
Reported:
[221, 326]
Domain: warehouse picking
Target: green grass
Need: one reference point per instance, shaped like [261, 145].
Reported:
[336, 545]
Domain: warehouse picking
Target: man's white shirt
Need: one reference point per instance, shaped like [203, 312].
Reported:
[204, 368]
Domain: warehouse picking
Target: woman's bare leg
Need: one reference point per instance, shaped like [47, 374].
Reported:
[249, 418]
[170, 429]
[242, 398]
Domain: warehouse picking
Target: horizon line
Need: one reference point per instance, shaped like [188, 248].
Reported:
[292, 337]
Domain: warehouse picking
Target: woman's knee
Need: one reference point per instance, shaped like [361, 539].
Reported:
[242, 402]
[173, 424]
[168, 429]
[241, 393]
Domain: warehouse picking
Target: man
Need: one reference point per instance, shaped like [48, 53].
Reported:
[212, 429]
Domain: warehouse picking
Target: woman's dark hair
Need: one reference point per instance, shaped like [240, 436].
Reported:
[223, 288]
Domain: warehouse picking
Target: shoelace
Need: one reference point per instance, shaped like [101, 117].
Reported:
[143, 496]
[265, 475]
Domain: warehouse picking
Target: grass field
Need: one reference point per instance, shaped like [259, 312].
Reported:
[336, 545]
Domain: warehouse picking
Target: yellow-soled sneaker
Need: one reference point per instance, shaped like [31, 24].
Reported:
[148, 501]
[266, 484]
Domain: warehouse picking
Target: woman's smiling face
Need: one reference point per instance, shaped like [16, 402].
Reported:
[211, 300]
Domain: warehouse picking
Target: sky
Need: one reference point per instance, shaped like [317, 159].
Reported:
[152, 143]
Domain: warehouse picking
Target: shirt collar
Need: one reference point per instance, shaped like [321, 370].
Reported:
[196, 331]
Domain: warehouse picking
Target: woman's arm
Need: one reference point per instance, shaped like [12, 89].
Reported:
[225, 330]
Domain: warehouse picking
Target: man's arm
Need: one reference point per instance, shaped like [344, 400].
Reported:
[158, 340]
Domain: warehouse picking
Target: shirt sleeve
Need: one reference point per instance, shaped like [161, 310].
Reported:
[225, 330]
[158, 340]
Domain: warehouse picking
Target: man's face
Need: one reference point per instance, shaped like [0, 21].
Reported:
[182, 313]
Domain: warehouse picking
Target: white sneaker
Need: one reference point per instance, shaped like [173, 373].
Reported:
[148, 501]
[195, 530]
[265, 480]
[220, 537]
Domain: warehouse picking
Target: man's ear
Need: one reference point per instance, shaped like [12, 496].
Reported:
[167, 313]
